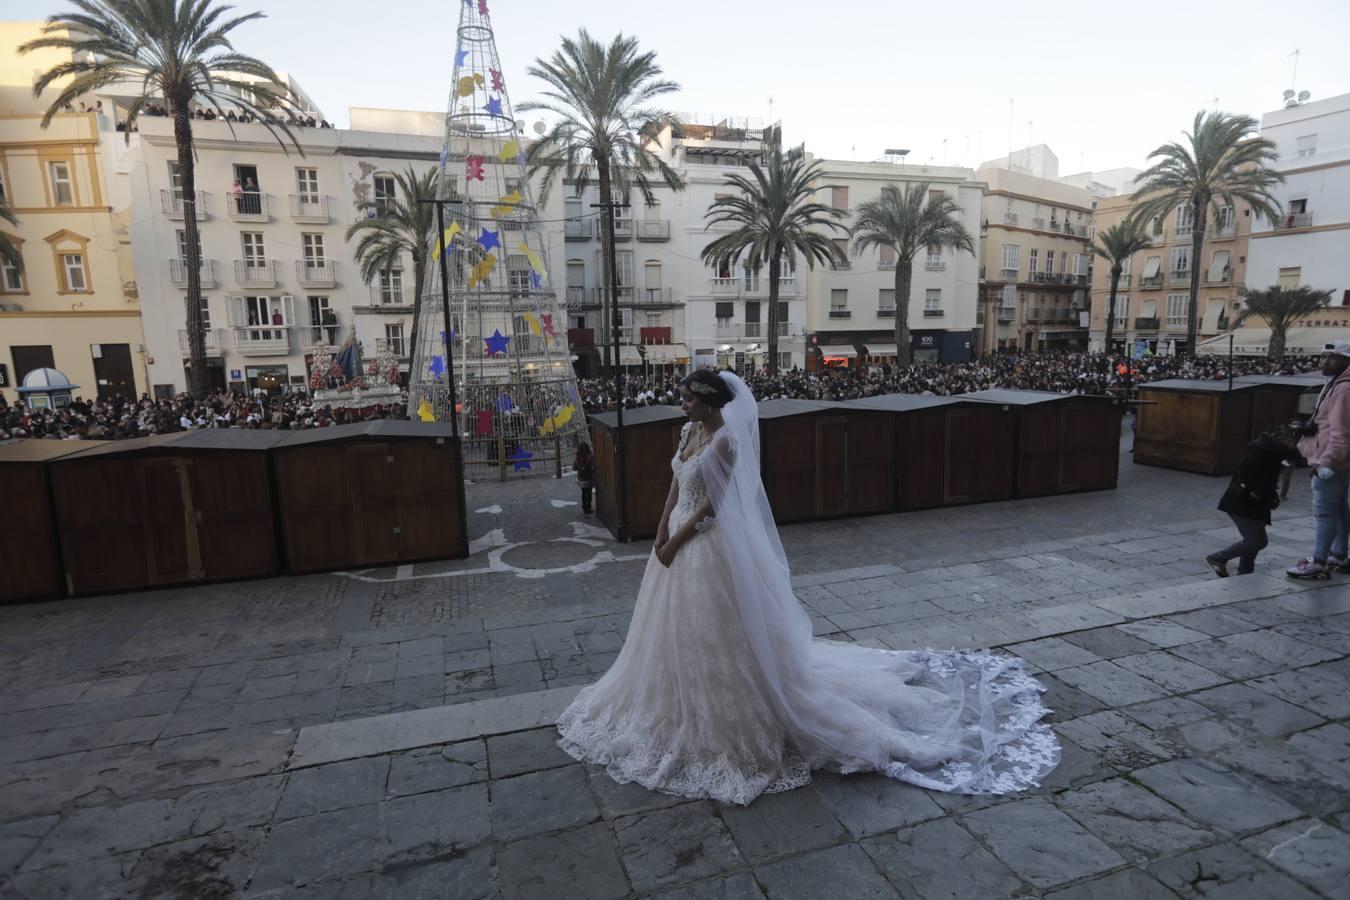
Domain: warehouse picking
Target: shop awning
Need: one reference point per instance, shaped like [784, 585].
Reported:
[839, 350]
[665, 354]
[628, 355]
[881, 350]
[1255, 341]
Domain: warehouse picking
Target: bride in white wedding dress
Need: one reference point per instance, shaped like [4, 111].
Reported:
[721, 691]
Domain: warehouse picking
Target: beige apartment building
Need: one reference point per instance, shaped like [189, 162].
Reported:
[1035, 262]
[73, 306]
[1155, 286]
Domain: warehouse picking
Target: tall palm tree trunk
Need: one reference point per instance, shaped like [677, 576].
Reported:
[1200, 208]
[419, 276]
[904, 276]
[1275, 350]
[774, 264]
[200, 382]
[608, 300]
[1111, 309]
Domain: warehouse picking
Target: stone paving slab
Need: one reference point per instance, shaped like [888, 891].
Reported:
[329, 738]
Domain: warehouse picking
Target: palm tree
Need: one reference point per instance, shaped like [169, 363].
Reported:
[180, 52]
[1220, 161]
[601, 95]
[8, 252]
[908, 221]
[400, 227]
[1116, 245]
[1281, 307]
[774, 219]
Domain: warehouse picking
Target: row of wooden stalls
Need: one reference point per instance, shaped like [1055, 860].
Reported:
[90, 517]
[1202, 426]
[890, 453]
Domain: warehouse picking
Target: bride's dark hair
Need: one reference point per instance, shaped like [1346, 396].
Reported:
[708, 386]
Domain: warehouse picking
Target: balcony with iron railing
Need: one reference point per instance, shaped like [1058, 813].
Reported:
[397, 346]
[1007, 313]
[653, 230]
[1008, 274]
[310, 209]
[206, 272]
[754, 330]
[934, 265]
[396, 298]
[724, 285]
[1038, 224]
[257, 341]
[1223, 277]
[1123, 283]
[1294, 220]
[316, 273]
[840, 265]
[840, 312]
[933, 313]
[1222, 230]
[886, 265]
[1151, 281]
[1033, 316]
[171, 202]
[327, 335]
[623, 229]
[659, 296]
[1147, 324]
[247, 206]
[1179, 276]
[212, 340]
[788, 329]
[1010, 218]
[255, 272]
[885, 312]
[579, 297]
[1182, 231]
[577, 230]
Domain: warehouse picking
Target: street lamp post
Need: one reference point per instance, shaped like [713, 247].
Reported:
[615, 323]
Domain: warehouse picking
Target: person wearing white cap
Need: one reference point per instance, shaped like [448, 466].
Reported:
[1326, 447]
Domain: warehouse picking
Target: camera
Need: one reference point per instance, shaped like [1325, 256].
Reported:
[1302, 427]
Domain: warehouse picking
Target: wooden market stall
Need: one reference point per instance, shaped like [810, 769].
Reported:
[1062, 443]
[168, 509]
[1278, 399]
[1197, 426]
[371, 493]
[30, 548]
[948, 450]
[651, 435]
[820, 460]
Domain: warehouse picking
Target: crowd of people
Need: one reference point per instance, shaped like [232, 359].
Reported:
[120, 418]
[209, 114]
[1065, 373]
[1068, 373]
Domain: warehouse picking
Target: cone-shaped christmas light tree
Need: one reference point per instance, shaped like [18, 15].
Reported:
[506, 343]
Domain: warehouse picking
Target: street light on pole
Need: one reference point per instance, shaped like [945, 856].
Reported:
[615, 323]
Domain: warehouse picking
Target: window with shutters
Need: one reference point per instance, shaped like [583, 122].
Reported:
[839, 198]
[63, 187]
[1306, 145]
[838, 299]
[932, 300]
[1010, 257]
[1290, 277]
[1176, 309]
[886, 300]
[1122, 309]
[1032, 260]
[72, 265]
[724, 313]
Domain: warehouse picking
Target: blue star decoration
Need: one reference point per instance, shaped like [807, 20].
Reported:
[488, 240]
[521, 458]
[460, 56]
[438, 366]
[453, 333]
[444, 151]
[497, 343]
[536, 280]
[494, 106]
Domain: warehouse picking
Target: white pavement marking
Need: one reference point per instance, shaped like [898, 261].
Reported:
[492, 510]
[497, 545]
[561, 504]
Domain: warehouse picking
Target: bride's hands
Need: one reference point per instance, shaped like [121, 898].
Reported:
[665, 552]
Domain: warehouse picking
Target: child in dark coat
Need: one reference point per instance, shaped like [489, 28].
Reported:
[584, 466]
[1252, 493]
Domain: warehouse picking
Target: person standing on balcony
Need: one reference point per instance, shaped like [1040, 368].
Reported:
[252, 198]
[1326, 446]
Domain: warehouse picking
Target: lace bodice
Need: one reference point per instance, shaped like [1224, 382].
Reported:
[693, 490]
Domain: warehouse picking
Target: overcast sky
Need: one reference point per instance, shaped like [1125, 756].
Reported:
[1101, 84]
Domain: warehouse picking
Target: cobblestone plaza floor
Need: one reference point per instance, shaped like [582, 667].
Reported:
[386, 733]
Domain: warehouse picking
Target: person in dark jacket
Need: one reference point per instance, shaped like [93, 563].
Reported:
[1252, 493]
[584, 466]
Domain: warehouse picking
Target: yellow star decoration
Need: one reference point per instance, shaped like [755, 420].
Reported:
[533, 321]
[536, 261]
[558, 419]
[509, 151]
[425, 412]
[467, 83]
[508, 205]
[482, 270]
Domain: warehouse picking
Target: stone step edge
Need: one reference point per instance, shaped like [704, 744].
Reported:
[394, 732]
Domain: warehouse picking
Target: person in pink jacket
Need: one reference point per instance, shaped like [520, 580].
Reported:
[1326, 447]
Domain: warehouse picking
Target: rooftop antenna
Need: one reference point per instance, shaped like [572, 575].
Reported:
[946, 159]
[1293, 81]
[771, 111]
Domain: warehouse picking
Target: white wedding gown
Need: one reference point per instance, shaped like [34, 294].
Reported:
[687, 709]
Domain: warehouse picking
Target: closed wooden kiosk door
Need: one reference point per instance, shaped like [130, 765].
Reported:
[171, 552]
[375, 503]
[232, 506]
[428, 504]
[960, 437]
[832, 466]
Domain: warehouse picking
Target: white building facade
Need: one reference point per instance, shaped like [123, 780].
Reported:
[278, 276]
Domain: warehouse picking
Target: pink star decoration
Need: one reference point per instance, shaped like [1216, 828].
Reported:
[498, 84]
[473, 166]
